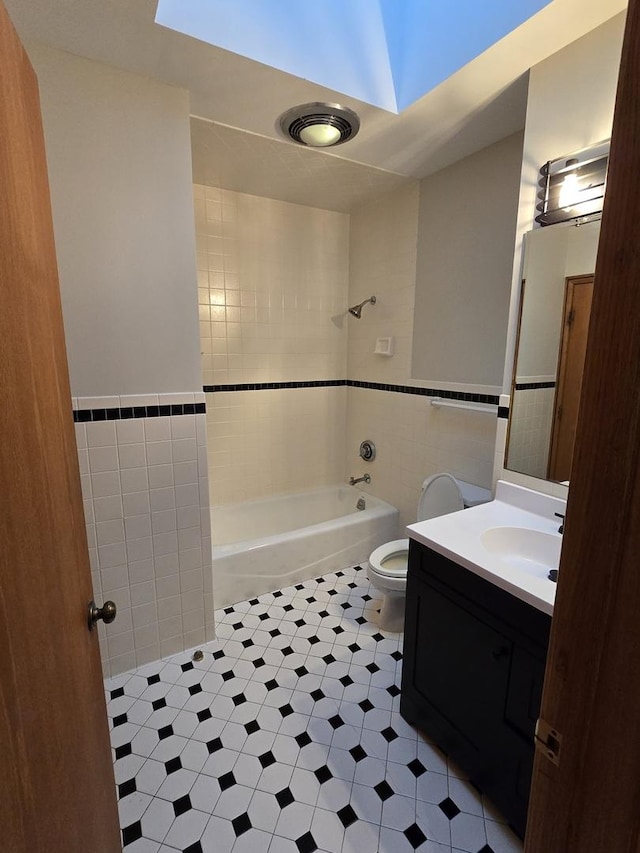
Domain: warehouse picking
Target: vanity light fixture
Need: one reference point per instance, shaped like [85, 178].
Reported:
[319, 125]
[573, 187]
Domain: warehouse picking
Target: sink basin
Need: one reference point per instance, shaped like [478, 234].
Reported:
[532, 551]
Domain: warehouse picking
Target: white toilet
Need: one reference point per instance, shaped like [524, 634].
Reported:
[387, 567]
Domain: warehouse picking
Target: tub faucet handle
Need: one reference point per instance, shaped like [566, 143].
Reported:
[365, 479]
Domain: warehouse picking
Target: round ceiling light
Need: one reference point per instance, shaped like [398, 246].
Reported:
[319, 125]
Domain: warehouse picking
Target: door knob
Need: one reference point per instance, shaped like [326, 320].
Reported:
[107, 613]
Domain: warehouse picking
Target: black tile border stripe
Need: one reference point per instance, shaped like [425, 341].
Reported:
[273, 386]
[127, 413]
[465, 396]
[531, 386]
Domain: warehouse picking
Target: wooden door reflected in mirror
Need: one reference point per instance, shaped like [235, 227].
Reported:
[573, 346]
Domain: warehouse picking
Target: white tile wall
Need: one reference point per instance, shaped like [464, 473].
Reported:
[502, 428]
[413, 441]
[269, 442]
[146, 500]
[272, 289]
[530, 435]
[548, 487]
[272, 301]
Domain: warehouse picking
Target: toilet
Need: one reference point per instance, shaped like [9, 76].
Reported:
[387, 567]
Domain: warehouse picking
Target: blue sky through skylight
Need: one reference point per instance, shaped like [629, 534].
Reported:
[387, 53]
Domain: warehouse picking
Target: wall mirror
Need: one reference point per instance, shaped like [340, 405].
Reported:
[555, 304]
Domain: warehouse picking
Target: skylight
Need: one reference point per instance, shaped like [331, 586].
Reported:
[388, 53]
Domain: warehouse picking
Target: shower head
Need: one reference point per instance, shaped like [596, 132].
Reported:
[356, 311]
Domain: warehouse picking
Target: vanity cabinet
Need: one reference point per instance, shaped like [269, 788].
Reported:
[474, 659]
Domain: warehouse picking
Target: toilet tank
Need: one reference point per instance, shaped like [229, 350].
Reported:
[473, 495]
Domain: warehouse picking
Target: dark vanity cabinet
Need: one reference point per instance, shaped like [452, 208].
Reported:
[474, 659]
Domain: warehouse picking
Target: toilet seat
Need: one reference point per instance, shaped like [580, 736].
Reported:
[387, 568]
[398, 548]
[440, 494]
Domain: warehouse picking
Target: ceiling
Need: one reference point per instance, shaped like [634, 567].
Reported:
[478, 105]
[248, 163]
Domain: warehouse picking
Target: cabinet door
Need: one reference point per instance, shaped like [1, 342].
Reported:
[460, 664]
[525, 693]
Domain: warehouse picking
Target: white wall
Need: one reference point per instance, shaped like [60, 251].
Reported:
[466, 234]
[119, 156]
[413, 439]
[570, 106]
[552, 254]
[382, 262]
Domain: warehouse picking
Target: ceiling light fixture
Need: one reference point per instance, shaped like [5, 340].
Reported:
[319, 125]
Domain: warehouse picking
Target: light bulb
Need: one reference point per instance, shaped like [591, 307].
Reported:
[320, 135]
[570, 191]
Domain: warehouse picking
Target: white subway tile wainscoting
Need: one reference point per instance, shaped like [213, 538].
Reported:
[144, 475]
[286, 737]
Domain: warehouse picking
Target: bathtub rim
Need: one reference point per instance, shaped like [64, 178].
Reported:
[380, 509]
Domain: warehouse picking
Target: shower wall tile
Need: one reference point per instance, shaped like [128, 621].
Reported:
[272, 295]
[147, 517]
[274, 441]
[273, 280]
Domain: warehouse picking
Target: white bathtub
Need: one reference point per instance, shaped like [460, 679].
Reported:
[263, 545]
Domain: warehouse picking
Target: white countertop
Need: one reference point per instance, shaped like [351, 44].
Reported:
[458, 537]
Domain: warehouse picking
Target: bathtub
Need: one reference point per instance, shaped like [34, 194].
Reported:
[263, 545]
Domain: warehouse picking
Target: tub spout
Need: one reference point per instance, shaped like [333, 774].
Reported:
[354, 480]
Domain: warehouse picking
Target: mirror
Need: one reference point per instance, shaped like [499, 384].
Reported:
[559, 263]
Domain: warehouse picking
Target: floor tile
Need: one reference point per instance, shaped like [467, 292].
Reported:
[287, 738]
[218, 836]
[186, 829]
[294, 820]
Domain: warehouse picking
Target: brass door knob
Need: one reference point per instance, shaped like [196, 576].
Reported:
[107, 613]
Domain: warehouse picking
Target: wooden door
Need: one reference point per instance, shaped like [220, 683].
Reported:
[57, 791]
[590, 802]
[573, 348]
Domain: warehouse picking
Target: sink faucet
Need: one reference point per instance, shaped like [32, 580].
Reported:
[553, 574]
[354, 480]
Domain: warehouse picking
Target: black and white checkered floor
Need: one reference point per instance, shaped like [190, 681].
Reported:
[286, 738]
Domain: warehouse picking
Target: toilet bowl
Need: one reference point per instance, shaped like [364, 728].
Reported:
[387, 567]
